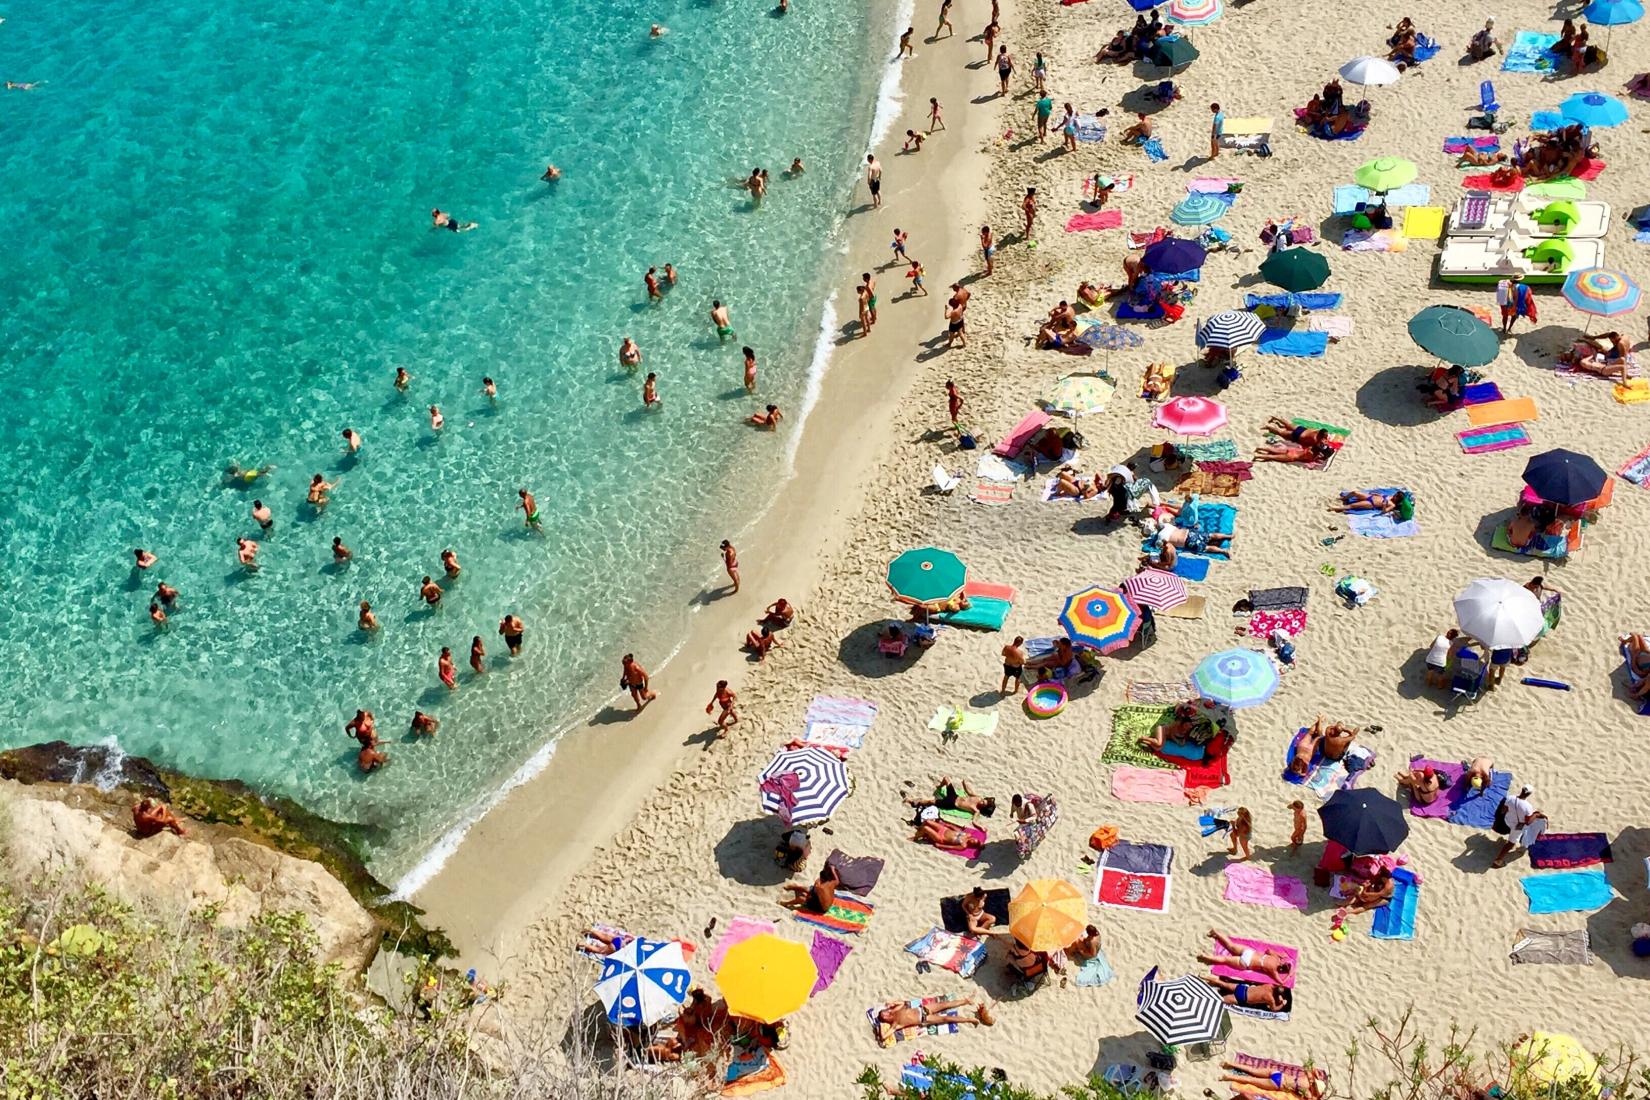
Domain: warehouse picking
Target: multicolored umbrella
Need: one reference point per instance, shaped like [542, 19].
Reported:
[1181, 1011]
[1499, 613]
[1229, 329]
[1564, 477]
[642, 981]
[1601, 292]
[1172, 52]
[1156, 589]
[1364, 821]
[1173, 256]
[1078, 394]
[1295, 269]
[1384, 173]
[766, 978]
[1236, 677]
[1100, 618]
[803, 786]
[1455, 336]
[1594, 110]
[1198, 209]
[1370, 71]
[926, 576]
[1048, 915]
[1191, 416]
[1194, 13]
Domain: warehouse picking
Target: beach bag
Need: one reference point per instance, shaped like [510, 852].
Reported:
[965, 442]
[1500, 825]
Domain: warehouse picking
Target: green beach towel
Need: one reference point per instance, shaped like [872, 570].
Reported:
[1332, 429]
[972, 721]
[1129, 723]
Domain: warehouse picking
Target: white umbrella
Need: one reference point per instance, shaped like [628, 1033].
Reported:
[1370, 70]
[642, 981]
[1499, 613]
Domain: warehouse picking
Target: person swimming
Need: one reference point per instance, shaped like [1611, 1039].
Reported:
[440, 219]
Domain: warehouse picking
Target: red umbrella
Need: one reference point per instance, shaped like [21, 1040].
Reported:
[1191, 416]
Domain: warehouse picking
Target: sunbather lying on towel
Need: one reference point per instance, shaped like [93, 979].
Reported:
[1193, 540]
[1399, 503]
[1068, 484]
[1262, 995]
[1423, 784]
[943, 835]
[816, 898]
[1088, 293]
[1373, 894]
[1604, 355]
[1331, 742]
[1283, 451]
[1293, 432]
[1305, 1083]
[904, 1014]
[947, 796]
[1270, 963]
[603, 943]
[1476, 158]
[1189, 724]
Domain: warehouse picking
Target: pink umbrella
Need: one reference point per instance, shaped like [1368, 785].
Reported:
[1156, 589]
[1191, 416]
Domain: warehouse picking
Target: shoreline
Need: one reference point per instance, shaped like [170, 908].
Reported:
[557, 821]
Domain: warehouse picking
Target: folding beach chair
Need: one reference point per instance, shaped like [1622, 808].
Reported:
[1470, 673]
[944, 480]
[1486, 98]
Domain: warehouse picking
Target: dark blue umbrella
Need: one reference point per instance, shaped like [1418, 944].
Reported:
[1564, 477]
[1172, 255]
[1364, 822]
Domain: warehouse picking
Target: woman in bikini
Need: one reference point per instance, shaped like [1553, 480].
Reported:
[1384, 503]
[1270, 963]
[1307, 1084]
[1295, 433]
[1292, 452]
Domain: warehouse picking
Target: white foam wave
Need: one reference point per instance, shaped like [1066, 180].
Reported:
[890, 96]
[817, 366]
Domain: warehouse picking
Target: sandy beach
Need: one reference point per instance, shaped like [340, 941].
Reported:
[650, 824]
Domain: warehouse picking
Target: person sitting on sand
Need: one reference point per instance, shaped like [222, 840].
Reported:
[1088, 293]
[1400, 504]
[1025, 965]
[1373, 894]
[817, 898]
[1086, 946]
[760, 641]
[1068, 484]
[1119, 49]
[778, 615]
[1637, 653]
[978, 922]
[150, 817]
[1159, 555]
[1484, 44]
[1139, 133]
[1445, 389]
[1284, 451]
[1262, 995]
[699, 1021]
[1403, 49]
[1307, 1084]
[907, 1014]
[1605, 355]
[792, 850]
[1159, 379]
[1423, 784]
[1639, 86]
[947, 796]
[1478, 771]
[1270, 963]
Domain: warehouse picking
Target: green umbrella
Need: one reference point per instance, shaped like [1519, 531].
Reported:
[926, 576]
[1455, 336]
[1295, 269]
[1172, 53]
[1384, 173]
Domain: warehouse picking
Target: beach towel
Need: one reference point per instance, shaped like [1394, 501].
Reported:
[1631, 392]
[1551, 548]
[1029, 834]
[1289, 620]
[1017, 438]
[1128, 311]
[1590, 169]
[1530, 52]
[1336, 328]
[1192, 609]
[1564, 948]
[1570, 850]
[1211, 185]
[738, 930]
[1134, 876]
[1425, 48]
[1372, 525]
[953, 919]
[944, 721]
[1130, 783]
[848, 915]
[1396, 919]
[1424, 223]
[829, 953]
[1104, 219]
[1293, 343]
[1153, 148]
[583, 947]
[1286, 981]
[982, 613]
[1349, 197]
[1203, 483]
[1565, 187]
[1636, 470]
[887, 1035]
[752, 1071]
[1128, 723]
[1492, 437]
[1252, 885]
[1190, 567]
[1379, 240]
[846, 710]
[856, 873]
[1480, 393]
[1215, 450]
[977, 838]
[1514, 410]
[1268, 1067]
[1486, 143]
[1093, 972]
[1327, 776]
[1317, 299]
[1545, 122]
[1453, 788]
[1289, 598]
[951, 951]
[992, 493]
[1567, 891]
[834, 736]
[1089, 128]
[1486, 181]
[992, 467]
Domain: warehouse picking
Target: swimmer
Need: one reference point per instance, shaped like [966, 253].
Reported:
[730, 562]
[261, 513]
[652, 281]
[424, 725]
[366, 620]
[511, 629]
[796, 168]
[445, 670]
[551, 174]
[319, 487]
[440, 219]
[235, 475]
[529, 508]
[437, 421]
[369, 759]
[650, 391]
[143, 558]
[341, 554]
[768, 419]
[723, 322]
[478, 654]
[630, 356]
[157, 616]
[402, 379]
[352, 440]
[750, 370]
[166, 594]
[429, 592]
[246, 551]
[490, 389]
[657, 31]
[670, 275]
[905, 44]
[449, 562]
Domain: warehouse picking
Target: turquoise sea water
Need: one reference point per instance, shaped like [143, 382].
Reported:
[219, 252]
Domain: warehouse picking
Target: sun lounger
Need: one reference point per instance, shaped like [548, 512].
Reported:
[1467, 681]
[1019, 437]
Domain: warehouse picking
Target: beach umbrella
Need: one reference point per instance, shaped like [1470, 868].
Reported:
[1455, 336]
[1594, 110]
[1109, 338]
[1198, 209]
[1364, 821]
[1384, 173]
[1156, 589]
[1048, 914]
[1499, 613]
[926, 576]
[1076, 394]
[1143, 5]
[1230, 329]
[1236, 677]
[1295, 270]
[1564, 477]
[642, 981]
[1600, 292]
[803, 786]
[1100, 618]
[1547, 1059]
[1611, 14]
[1370, 71]
[1182, 1010]
[1172, 52]
[766, 978]
[1190, 416]
[1194, 13]
[1174, 255]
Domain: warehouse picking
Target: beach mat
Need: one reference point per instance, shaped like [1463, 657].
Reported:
[752, 1071]
[1449, 797]
[857, 874]
[1424, 223]
[1477, 810]
[1129, 723]
[1562, 948]
[1193, 608]
[1262, 624]
[1286, 981]
[1486, 181]
[1131, 783]
[1288, 598]
[1636, 470]
[953, 919]
[887, 1035]
[1252, 885]
[984, 723]
[828, 953]
[1293, 343]
[1158, 692]
[991, 492]
[1093, 972]
[849, 915]
[1480, 393]
[1191, 567]
[1103, 219]
[1567, 891]
[1569, 850]
[1511, 410]
[972, 852]
[1129, 875]
[1530, 52]
[1315, 299]
[1214, 450]
[1492, 437]
[1396, 919]
[951, 951]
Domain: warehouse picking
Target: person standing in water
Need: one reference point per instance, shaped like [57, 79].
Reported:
[652, 281]
[873, 180]
[478, 655]
[730, 562]
[366, 621]
[165, 594]
[142, 559]
[352, 441]
[630, 356]
[449, 564]
[246, 552]
[429, 592]
[530, 509]
[750, 370]
[650, 391]
[437, 421]
[511, 629]
[633, 677]
[341, 554]
[402, 379]
[720, 317]
[157, 616]
[319, 487]
[445, 670]
[905, 44]
[263, 516]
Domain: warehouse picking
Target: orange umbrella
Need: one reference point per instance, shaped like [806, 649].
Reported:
[1048, 915]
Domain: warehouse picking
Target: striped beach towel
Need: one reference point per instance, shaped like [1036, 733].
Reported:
[1492, 437]
[887, 1034]
[849, 914]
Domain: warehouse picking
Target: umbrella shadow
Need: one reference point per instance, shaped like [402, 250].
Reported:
[1541, 347]
[745, 853]
[1610, 929]
[859, 654]
[1390, 397]
[1484, 533]
[997, 859]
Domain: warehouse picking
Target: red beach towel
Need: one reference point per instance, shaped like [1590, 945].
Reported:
[1486, 182]
[1105, 219]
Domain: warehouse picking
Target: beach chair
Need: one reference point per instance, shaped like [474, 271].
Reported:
[945, 481]
[1470, 673]
[1486, 98]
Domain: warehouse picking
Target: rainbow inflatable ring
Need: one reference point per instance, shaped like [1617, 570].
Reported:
[1045, 700]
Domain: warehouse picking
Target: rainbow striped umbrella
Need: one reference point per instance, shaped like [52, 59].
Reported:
[1100, 618]
[1194, 13]
[1601, 292]
[1191, 416]
[1156, 589]
[1236, 678]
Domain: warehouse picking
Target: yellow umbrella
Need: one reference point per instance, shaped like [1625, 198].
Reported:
[1546, 1058]
[766, 978]
[1049, 914]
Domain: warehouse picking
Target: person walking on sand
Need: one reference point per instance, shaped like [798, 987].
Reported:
[724, 698]
[1043, 109]
[956, 327]
[510, 628]
[446, 670]
[1029, 208]
[905, 44]
[915, 274]
[953, 406]
[1068, 131]
[730, 562]
[988, 247]
[530, 510]
[633, 678]
[1005, 68]
[989, 37]
[1014, 665]
[936, 115]
[723, 321]
[870, 286]
[945, 20]
[873, 179]
[750, 370]
[1217, 126]
[1243, 827]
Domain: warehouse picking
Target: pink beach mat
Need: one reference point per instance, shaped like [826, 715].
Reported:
[973, 850]
[1448, 798]
[1104, 219]
[1132, 784]
[1260, 946]
[739, 929]
[1253, 885]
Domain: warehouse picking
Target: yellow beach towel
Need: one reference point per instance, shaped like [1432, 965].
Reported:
[1246, 127]
[1633, 391]
[1512, 411]
[1422, 223]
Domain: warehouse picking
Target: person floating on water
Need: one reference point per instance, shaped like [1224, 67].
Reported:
[440, 219]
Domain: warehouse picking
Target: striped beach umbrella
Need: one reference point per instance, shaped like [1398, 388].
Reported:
[642, 981]
[1236, 677]
[1230, 329]
[926, 576]
[1194, 13]
[1156, 589]
[1198, 209]
[1594, 110]
[1100, 618]
[1048, 915]
[803, 786]
[1191, 416]
[1601, 292]
[1181, 1011]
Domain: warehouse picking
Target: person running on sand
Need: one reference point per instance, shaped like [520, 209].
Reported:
[630, 356]
[633, 678]
[907, 1014]
[750, 369]
[730, 562]
[510, 628]
[365, 620]
[768, 418]
[150, 817]
[1273, 965]
[720, 317]
[724, 697]
[1014, 666]
[446, 671]
[530, 510]
[936, 115]
[246, 552]
[945, 20]
[424, 725]
[478, 655]
[915, 274]
[873, 179]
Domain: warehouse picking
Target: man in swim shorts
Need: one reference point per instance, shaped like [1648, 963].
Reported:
[511, 629]
[633, 678]
[873, 180]
[905, 1014]
[261, 513]
[1014, 665]
[529, 508]
[720, 318]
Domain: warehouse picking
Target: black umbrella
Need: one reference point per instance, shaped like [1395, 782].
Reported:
[1364, 822]
[1564, 477]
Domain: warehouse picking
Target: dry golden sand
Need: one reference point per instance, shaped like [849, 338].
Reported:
[698, 848]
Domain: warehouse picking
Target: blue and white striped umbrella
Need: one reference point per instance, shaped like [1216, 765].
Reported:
[642, 981]
[803, 786]
[1198, 209]
[1236, 677]
[1230, 328]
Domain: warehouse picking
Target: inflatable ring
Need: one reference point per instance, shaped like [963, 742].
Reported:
[1045, 700]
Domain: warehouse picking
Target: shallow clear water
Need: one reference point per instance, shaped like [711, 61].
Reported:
[219, 252]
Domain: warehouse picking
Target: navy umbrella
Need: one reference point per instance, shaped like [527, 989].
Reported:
[1364, 822]
[1173, 255]
[1564, 477]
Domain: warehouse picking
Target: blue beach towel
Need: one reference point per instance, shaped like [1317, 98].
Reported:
[1530, 52]
[1481, 393]
[1396, 919]
[1128, 311]
[1477, 811]
[1545, 122]
[1296, 344]
[1310, 300]
[1095, 971]
[1642, 237]
[1567, 891]
[1153, 148]
[1191, 568]
[1349, 196]
[1425, 48]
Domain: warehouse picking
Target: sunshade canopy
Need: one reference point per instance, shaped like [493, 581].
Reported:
[1564, 477]
[766, 978]
[1455, 336]
[1499, 613]
[1364, 821]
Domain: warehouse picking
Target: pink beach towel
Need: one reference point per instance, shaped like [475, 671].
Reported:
[1210, 185]
[1287, 981]
[1448, 798]
[739, 930]
[1253, 885]
[1132, 784]
[1105, 219]
[1290, 621]
[1015, 441]
[973, 850]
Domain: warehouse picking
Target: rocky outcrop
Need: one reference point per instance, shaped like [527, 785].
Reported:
[45, 833]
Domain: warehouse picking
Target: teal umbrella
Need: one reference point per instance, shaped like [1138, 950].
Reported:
[926, 576]
[1455, 336]
[1295, 270]
[1172, 52]
[1198, 209]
